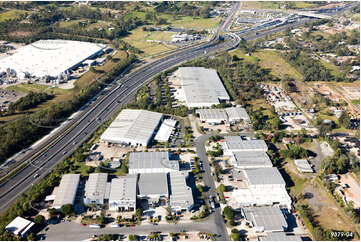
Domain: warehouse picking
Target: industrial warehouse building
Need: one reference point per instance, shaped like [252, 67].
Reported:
[153, 187]
[19, 226]
[50, 58]
[151, 162]
[67, 190]
[123, 193]
[229, 115]
[250, 159]
[200, 87]
[262, 186]
[280, 236]
[180, 195]
[265, 219]
[133, 127]
[237, 144]
[165, 130]
[97, 189]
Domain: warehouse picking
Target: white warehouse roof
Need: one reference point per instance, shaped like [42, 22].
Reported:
[202, 87]
[236, 143]
[231, 114]
[96, 186]
[165, 130]
[67, 190]
[132, 126]
[181, 196]
[151, 162]
[250, 159]
[280, 236]
[123, 192]
[50, 57]
[268, 218]
[264, 176]
[19, 226]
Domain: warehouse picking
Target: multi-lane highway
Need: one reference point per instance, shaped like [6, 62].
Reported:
[92, 118]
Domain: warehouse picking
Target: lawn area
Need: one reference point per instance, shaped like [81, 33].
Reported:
[11, 14]
[242, 54]
[138, 38]
[270, 59]
[276, 5]
[195, 23]
[334, 69]
[355, 101]
[70, 23]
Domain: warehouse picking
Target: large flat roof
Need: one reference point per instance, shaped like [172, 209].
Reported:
[229, 114]
[267, 175]
[165, 130]
[96, 186]
[50, 57]
[67, 190]
[152, 160]
[180, 194]
[132, 126]
[237, 143]
[236, 113]
[124, 189]
[270, 218]
[252, 159]
[280, 236]
[202, 87]
[153, 184]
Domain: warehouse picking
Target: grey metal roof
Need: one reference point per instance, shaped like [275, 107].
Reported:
[206, 114]
[201, 85]
[252, 158]
[180, 194]
[67, 190]
[280, 236]
[268, 175]
[96, 186]
[270, 218]
[236, 143]
[124, 189]
[237, 113]
[139, 160]
[153, 184]
[132, 126]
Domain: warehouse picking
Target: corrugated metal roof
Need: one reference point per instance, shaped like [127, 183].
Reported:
[49, 57]
[180, 194]
[252, 158]
[96, 186]
[67, 190]
[139, 160]
[201, 86]
[165, 130]
[270, 218]
[132, 125]
[153, 184]
[124, 189]
[268, 175]
[280, 236]
[236, 143]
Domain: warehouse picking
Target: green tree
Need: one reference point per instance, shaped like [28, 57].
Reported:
[39, 219]
[67, 209]
[344, 120]
[228, 212]
[133, 237]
